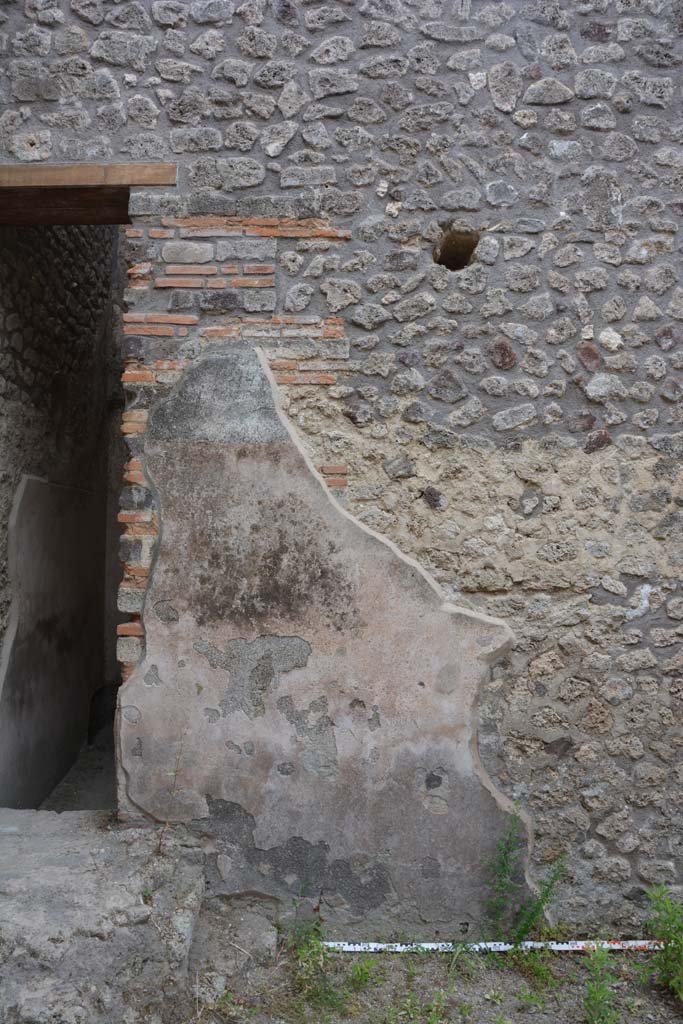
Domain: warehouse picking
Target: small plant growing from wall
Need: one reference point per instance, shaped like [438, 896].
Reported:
[512, 918]
[666, 925]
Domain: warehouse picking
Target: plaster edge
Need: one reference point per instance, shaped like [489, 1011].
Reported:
[488, 654]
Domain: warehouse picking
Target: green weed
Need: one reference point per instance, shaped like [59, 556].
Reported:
[311, 976]
[529, 997]
[494, 996]
[666, 925]
[409, 1008]
[506, 875]
[436, 1010]
[532, 911]
[512, 918]
[598, 1002]
[362, 973]
[536, 966]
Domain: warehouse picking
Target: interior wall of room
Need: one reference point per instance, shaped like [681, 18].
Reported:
[56, 347]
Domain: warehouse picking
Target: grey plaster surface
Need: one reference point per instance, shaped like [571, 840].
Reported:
[52, 650]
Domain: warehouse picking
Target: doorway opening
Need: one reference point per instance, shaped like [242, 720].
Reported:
[61, 467]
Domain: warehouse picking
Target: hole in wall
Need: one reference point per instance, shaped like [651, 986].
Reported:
[455, 248]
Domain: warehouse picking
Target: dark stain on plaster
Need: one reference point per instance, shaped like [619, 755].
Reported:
[292, 569]
[165, 611]
[315, 729]
[256, 552]
[297, 866]
[254, 668]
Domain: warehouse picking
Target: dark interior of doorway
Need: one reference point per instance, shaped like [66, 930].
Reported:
[61, 461]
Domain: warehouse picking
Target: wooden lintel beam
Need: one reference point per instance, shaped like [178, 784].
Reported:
[85, 175]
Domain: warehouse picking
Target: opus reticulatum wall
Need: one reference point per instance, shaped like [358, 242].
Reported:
[515, 425]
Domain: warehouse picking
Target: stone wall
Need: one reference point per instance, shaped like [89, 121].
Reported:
[515, 425]
[55, 347]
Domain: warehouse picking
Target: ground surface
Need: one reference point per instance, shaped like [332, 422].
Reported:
[90, 785]
[436, 989]
[106, 924]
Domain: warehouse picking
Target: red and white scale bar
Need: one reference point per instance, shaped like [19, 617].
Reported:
[575, 946]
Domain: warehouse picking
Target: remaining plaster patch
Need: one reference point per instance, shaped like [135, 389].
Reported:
[318, 690]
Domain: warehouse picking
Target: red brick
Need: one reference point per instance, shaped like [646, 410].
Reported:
[258, 268]
[179, 282]
[172, 318]
[137, 377]
[199, 222]
[252, 282]
[227, 331]
[170, 364]
[283, 364]
[148, 331]
[140, 270]
[136, 570]
[142, 530]
[261, 221]
[333, 469]
[160, 233]
[190, 268]
[137, 516]
[134, 477]
[130, 629]
[306, 378]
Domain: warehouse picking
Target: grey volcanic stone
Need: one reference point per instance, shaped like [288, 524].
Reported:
[514, 417]
[241, 172]
[501, 193]
[340, 293]
[123, 49]
[212, 12]
[548, 92]
[655, 92]
[447, 387]
[236, 71]
[334, 50]
[275, 138]
[298, 297]
[331, 83]
[505, 85]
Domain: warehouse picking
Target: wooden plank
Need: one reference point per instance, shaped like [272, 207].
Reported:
[32, 206]
[86, 175]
